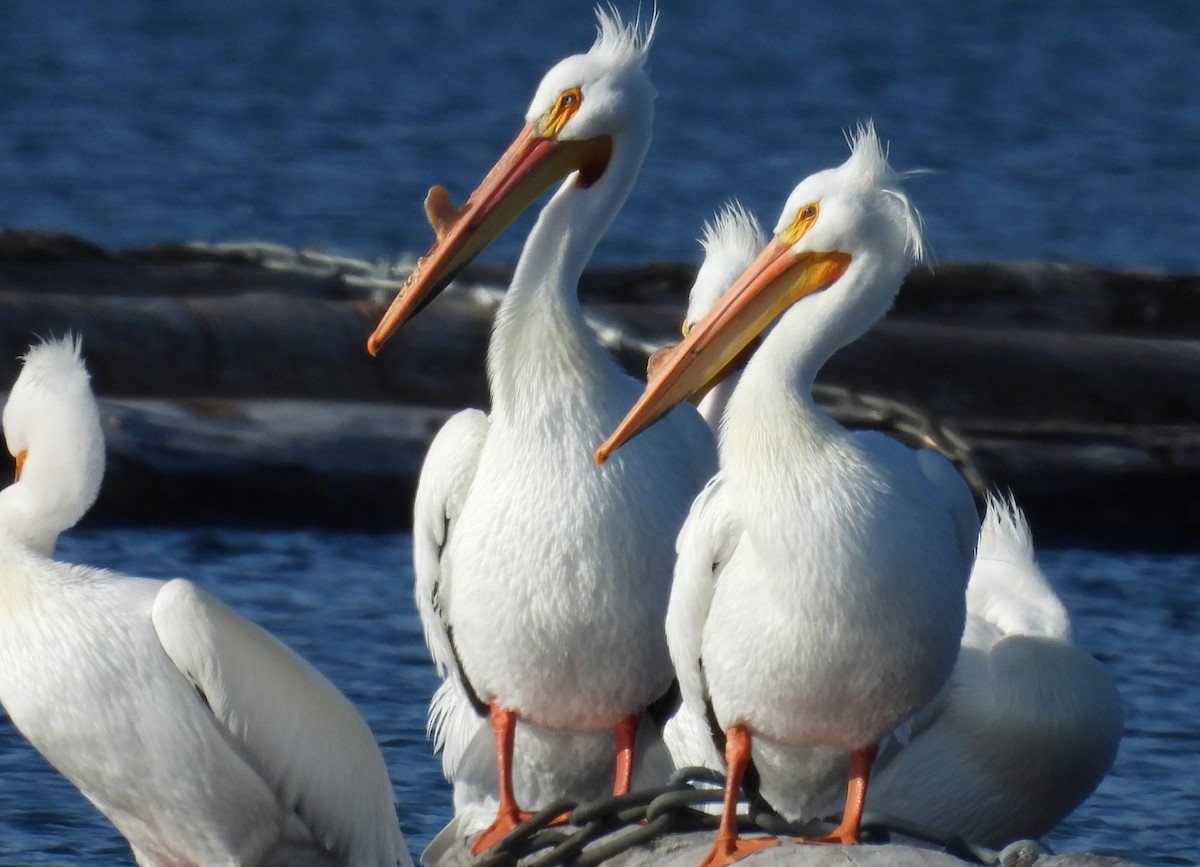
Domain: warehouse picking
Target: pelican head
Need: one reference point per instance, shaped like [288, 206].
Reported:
[52, 428]
[842, 246]
[582, 110]
[730, 241]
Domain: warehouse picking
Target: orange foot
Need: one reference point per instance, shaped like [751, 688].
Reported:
[504, 824]
[493, 833]
[837, 837]
[729, 851]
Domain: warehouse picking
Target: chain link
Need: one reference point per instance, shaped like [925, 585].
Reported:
[588, 834]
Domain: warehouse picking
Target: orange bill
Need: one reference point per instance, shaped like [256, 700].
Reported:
[659, 358]
[529, 166]
[776, 279]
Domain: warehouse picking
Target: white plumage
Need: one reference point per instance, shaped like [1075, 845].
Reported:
[1026, 726]
[819, 589]
[542, 580]
[730, 242]
[200, 736]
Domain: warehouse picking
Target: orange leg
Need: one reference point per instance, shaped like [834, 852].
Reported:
[856, 796]
[728, 848]
[626, 735]
[508, 816]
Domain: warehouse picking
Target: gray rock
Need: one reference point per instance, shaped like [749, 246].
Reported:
[688, 850]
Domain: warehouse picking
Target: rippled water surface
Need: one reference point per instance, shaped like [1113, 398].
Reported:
[344, 602]
[1055, 130]
[1059, 130]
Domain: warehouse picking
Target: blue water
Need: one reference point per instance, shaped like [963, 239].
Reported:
[344, 602]
[1063, 131]
[1066, 130]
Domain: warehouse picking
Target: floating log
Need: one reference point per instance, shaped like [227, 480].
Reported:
[239, 388]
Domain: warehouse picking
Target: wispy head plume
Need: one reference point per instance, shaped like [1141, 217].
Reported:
[620, 42]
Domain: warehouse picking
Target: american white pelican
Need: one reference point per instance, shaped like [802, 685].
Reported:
[203, 739]
[1028, 723]
[1026, 726]
[730, 242]
[819, 591]
[542, 580]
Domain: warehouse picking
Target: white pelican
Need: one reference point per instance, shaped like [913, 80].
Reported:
[203, 739]
[542, 580]
[730, 242]
[819, 591]
[1027, 725]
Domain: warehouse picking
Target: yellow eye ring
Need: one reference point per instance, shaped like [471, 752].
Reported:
[805, 217]
[563, 110]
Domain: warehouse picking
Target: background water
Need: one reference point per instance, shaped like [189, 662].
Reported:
[344, 602]
[1056, 131]
[1066, 130]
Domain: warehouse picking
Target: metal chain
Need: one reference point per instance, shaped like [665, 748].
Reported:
[382, 277]
[588, 834]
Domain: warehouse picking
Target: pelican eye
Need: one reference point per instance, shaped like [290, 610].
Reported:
[805, 217]
[563, 110]
[687, 326]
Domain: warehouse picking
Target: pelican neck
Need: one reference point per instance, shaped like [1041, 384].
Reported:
[540, 330]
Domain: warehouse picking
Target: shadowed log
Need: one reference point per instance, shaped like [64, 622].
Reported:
[1075, 388]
